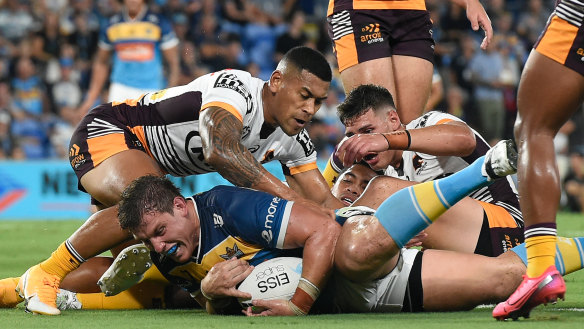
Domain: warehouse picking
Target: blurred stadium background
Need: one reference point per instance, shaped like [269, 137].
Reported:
[47, 47]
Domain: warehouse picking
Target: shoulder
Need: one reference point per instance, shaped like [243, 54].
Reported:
[432, 118]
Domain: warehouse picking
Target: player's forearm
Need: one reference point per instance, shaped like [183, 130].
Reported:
[443, 140]
[172, 60]
[317, 265]
[463, 3]
[99, 75]
[312, 186]
[222, 148]
[238, 166]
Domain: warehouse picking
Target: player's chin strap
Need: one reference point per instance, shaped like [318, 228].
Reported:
[305, 295]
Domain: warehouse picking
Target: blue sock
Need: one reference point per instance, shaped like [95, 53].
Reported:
[408, 211]
[569, 254]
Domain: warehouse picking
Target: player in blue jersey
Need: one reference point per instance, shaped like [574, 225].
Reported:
[226, 121]
[136, 40]
[208, 241]
[190, 235]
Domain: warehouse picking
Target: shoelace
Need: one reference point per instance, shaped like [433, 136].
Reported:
[48, 291]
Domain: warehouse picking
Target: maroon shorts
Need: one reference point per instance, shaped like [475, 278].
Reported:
[99, 135]
[363, 35]
[500, 231]
[563, 40]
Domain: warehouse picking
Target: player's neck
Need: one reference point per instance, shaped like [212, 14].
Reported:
[193, 215]
[267, 99]
[135, 13]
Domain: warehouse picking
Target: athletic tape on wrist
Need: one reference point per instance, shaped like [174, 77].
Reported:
[398, 140]
[295, 308]
[305, 295]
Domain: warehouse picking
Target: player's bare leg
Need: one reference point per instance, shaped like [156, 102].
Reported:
[413, 82]
[549, 93]
[368, 245]
[408, 79]
[364, 250]
[454, 281]
[40, 284]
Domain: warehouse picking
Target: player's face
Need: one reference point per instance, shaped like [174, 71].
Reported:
[374, 122]
[351, 184]
[298, 98]
[134, 6]
[173, 235]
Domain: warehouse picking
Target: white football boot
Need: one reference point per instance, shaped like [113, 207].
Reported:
[500, 160]
[126, 270]
[67, 300]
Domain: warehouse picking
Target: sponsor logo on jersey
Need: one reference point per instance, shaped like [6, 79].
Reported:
[217, 220]
[232, 252]
[580, 52]
[269, 220]
[194, 150]
[231, 81]
[254, 148]
[305, 142]
[371, 34]
[245, 132]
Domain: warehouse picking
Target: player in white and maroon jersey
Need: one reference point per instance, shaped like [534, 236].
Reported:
[227, 122]
[433, 146]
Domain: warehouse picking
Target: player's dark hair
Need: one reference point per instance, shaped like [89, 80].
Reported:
[305, 58]
[146, 194]
[362, 99]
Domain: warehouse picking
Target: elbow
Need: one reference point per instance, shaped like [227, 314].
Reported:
[212, 157]
[467, 144]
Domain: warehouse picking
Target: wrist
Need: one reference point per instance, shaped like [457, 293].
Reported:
[208, 297]
[305, 295]
[398, 140]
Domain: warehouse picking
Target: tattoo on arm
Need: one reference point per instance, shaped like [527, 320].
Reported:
[231, 159]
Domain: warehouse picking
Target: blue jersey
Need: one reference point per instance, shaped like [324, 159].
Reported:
[235, 222]
[137, 45]
[28, 95]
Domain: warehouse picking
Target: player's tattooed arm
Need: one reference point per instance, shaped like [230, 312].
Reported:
[221, 137]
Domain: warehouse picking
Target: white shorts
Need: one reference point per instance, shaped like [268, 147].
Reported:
[119, 92]
[385, 295]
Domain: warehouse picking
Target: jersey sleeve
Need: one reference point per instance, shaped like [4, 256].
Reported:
[333, 168]
[299, 154]
[256, 217]
[104, 41]
[432, 118]
[229, 89]
[168, 38]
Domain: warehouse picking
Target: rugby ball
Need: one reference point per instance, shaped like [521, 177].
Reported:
[276, 278]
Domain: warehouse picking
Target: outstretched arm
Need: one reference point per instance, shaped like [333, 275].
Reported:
[453, 138]
[221, 137]
[99, 75]
[318, 234]
[312, 185]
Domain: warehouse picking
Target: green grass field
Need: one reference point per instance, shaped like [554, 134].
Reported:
[25, 243]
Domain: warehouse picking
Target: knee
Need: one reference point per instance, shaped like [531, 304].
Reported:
[358, 253]
[508, 277]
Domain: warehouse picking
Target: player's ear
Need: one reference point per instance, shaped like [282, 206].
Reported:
[180, 205]
[276, 81]
[393, 120]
